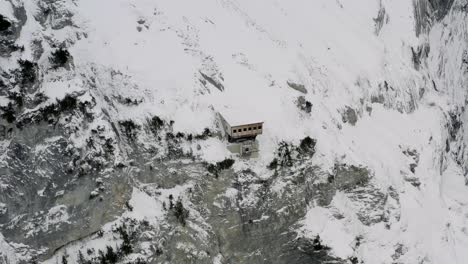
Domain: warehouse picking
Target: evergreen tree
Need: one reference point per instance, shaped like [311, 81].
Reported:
[81, 258]
[180, 212]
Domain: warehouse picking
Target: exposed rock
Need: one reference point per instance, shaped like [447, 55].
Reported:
[381, 19]
[349, 116]
[414, 156]
[413, 181]
[258, 230]
[4, 24]
[304, 105]
[10, 31]
[419, 55]
[91, 160]
[429, 11]
[343, 178]
[30, 170]
[60, 58]
[54, 14]
[213, 81]
[370, 203]
[297, 86]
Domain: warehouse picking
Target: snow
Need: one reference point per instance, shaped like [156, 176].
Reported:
[57, 214]
[370, 142]
[145, 207]
[253, 49]
[335, 233]
[7, 252]
[244, 116]
[248, 82]
[4, 101]
[382, 136]
[211, 150]
[57, 89]
[7, 10]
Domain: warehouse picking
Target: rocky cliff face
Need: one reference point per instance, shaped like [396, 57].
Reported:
[110, 151]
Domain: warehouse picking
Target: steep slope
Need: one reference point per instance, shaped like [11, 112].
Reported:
[110, 148]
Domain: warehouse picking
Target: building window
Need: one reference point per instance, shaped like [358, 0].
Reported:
[245, 129]
[250, 128]
[260, 127]
[234, 131]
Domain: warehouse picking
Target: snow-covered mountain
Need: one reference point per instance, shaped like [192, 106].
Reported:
[111, 150]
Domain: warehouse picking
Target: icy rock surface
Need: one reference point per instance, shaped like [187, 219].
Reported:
[110, 150]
